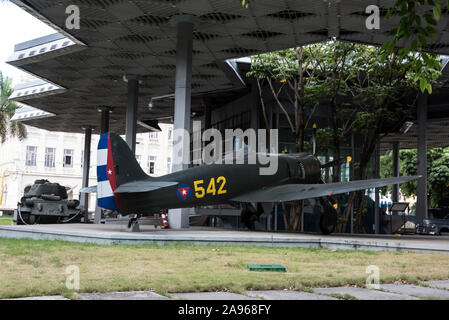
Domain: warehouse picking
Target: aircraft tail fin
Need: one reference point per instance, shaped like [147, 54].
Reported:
[116, 165]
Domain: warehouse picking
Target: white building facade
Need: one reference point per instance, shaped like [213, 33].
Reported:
[58, 157]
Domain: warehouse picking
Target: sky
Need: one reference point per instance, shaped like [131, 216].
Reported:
[17, 26]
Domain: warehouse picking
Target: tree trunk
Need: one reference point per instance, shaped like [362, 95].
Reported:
[361, 173]
[341, 227]
[295, 215]
[336, 140]
[367, 151]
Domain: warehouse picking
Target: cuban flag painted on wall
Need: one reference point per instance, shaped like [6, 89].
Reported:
[107, 182]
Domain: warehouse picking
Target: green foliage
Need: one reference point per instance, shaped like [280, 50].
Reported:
[323, 141]
[437, 172]
[370, 92]
[7, 110]
[292, 76]
[418, 21]
[382, 89]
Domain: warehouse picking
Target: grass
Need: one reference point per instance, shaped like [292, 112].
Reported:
[5, 221]
[342, 296]
[31, 268]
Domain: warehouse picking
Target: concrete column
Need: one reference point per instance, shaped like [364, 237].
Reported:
[255, 108]
[104, 122]
[131, 112]
[421, 203]
[395, 193]
[179, 218]
[207, 113]
[86, 166]
[207, 118]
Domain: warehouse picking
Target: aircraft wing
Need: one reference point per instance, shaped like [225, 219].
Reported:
[291, 192]
[143, 186]
[92, 189]
[135, 186]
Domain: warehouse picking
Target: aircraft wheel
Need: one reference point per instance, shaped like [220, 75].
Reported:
[327, 223]
[248, 218]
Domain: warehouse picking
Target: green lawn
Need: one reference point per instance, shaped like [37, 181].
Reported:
[5, 221]
[30, 268]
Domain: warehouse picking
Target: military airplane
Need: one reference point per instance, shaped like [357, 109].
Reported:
[124, 187]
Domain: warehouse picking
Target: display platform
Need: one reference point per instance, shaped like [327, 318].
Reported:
[115, 234]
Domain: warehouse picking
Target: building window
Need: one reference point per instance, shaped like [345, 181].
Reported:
[50, 157]
[151, 164]
[31, 156]
[139, 159]
[169, 164]
[68, 158]
[154, 135]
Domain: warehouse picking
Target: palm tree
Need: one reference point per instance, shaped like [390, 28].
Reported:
[7, 110]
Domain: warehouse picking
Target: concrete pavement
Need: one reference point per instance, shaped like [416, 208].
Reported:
[434, 290]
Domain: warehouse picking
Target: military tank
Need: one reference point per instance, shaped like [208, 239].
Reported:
[45, 203]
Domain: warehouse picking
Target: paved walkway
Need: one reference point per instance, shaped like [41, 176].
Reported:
[426, 290]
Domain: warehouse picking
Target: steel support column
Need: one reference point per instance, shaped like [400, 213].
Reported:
[179, 218]
[86, 166]
[351, 174]
[421, 203]
[377, 212]
[395, 193]
[131, 112]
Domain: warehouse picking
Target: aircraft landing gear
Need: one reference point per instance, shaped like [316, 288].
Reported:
[250, 215]
[249, 218]
[133, 224]
[328, 219]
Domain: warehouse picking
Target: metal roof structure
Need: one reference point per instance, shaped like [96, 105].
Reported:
[84, 68]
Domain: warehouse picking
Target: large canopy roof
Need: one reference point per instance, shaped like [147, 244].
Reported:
[84, 68]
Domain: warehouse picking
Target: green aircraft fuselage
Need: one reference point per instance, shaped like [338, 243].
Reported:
[218, 183]
[125, 188]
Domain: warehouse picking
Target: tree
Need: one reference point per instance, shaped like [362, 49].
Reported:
[291, 76]
[368, 92]
[382, 89]
[7, 110]
[437, 172]
[337, 69]
[418, 20]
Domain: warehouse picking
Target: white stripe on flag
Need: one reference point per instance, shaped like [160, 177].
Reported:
[104, 189]
[102, 157]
